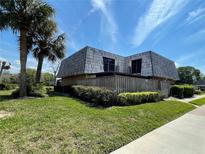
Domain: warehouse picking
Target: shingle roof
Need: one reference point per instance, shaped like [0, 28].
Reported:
[89, 60]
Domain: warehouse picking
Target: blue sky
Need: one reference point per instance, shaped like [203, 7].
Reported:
[173, 28]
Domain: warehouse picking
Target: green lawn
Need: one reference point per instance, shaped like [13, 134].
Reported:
[61, 124]
[199, 102]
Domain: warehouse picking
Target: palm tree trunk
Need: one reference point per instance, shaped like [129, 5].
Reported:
[23, 60]
[1, 71]
[2, 67]
[39, 68]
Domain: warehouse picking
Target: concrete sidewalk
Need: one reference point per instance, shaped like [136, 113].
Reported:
[185, 135]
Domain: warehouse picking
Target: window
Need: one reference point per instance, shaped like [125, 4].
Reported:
[109, 64]
[136, 66]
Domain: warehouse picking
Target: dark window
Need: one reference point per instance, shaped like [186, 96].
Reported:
[136, 66]
[109, 64]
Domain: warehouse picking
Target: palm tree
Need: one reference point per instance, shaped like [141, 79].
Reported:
[20, 16]
[47, 45]
[4, 66]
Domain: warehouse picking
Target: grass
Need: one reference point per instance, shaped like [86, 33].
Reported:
[199, 102]
[60, 124]
[5, 94]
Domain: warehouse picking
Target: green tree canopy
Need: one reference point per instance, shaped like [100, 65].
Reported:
[21, 16]
[189, 74]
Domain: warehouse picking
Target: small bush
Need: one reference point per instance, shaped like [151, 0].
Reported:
[2, 86]
[38, 91]
[188, 91]
[15, 93]
[8, 86]
[95, 95]
[182, 91]
[132, 98]
[177, 91]
[33, 91]
[198, 92]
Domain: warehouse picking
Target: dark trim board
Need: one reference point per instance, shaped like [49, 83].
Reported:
[88, 75]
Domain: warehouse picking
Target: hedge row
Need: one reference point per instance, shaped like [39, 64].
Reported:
[131, 98]
[95, 95]
[103, 97]
[182, 91]
[8, 86]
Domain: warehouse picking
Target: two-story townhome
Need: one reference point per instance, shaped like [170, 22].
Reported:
[146, 71]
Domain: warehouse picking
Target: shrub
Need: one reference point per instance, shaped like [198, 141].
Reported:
[182, 91]
[8, 86]
[198, 92]
[34, 91]
[177, 91]
[188, 91]
[37, 91]
[95, 95]
[15, 93]
[131, 98]
[2, 86]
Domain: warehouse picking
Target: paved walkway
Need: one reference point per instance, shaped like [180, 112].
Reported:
[186, 99]
[185, 135]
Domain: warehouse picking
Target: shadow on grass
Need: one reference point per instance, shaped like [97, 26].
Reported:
[5, 97]
[54, 94]
[89, 104]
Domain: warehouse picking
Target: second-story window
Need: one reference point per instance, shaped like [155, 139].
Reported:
[136, 66]
[109, 64]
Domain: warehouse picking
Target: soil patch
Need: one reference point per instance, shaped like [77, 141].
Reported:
[4, 114]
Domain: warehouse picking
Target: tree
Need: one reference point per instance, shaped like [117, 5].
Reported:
[189, 75]
[48, 46]
[48, 79]
[4, 66]
[30, 76]
[20, 16]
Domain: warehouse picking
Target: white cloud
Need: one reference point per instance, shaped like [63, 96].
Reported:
[176, 64]
[159, 12]
[201, 31]
[17, 62]
[14, 65]
[195, 15]
[73, 44]
[194, 58]
[110, 27]
[31, 63]
[3, 59]
[190, 58]
[196, 36]
[60, 30]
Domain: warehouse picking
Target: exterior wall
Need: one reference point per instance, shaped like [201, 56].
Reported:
[146, 63]
[163, 67]
[90, 60]
[103, 81]
[74, 64]
[119, 83]
[133, 84]
[94, 61]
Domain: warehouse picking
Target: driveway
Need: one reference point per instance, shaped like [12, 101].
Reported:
[185, 135]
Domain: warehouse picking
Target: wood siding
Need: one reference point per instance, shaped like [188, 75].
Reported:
[119, 83]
